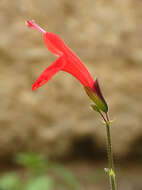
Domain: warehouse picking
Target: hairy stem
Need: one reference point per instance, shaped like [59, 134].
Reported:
[110, 155]
[110, 158]
[109, 150]
[109, 146]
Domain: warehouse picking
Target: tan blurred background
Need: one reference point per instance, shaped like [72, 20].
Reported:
[56, 119]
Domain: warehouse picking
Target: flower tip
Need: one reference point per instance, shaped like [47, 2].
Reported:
[29, 23]
[34, 86]
[32, 24]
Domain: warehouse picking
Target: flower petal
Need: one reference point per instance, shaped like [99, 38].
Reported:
[75, 67]
[48, 73]
[54, 43]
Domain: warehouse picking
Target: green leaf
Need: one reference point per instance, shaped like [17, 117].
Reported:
[9, 182]
[40, 183]
[33, 162]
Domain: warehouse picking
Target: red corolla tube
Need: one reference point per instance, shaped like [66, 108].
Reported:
[69, 62]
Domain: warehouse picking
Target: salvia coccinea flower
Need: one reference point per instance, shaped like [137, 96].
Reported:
[67, 61]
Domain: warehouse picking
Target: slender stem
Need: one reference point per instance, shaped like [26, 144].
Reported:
[109, 146]
[109, 150]
[110, 155]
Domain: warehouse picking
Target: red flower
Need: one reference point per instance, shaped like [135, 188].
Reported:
[68, 62]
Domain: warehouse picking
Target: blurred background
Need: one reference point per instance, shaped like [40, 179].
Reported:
[55, 121]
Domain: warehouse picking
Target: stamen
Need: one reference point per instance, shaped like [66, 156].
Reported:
[32, 24]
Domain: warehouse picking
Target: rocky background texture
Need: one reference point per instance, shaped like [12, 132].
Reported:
[56, 119]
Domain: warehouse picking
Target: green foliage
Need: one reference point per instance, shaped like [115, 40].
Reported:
[40, 183]
[10, 182]
[35, 163]
[68, 177]
[41, 174]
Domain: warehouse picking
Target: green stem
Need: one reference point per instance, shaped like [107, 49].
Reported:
[110, 155]
[109, 146]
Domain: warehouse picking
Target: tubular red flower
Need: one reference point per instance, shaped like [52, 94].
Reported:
[68, 62]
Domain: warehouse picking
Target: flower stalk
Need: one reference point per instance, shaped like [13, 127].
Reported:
[110, 157]
[107, 123]
[111, 171]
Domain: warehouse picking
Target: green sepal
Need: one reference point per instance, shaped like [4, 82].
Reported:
[99, 102]
[111, 121]
[95, 108]
[111, 173]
